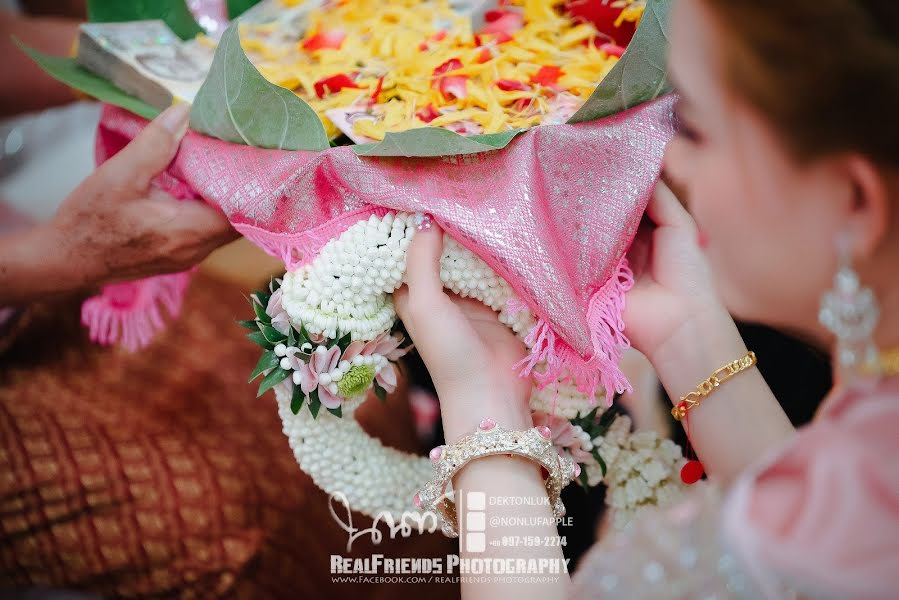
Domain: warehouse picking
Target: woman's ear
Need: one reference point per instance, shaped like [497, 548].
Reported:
[869, 215]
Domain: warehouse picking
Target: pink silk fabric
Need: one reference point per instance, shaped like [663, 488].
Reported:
[553, 213]
[822, 516]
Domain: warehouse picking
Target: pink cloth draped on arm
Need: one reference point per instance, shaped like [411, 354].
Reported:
[553, 213]
[823, 514]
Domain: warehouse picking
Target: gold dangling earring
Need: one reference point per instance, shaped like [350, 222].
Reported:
[849, 311]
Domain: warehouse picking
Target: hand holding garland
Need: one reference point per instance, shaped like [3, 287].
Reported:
[469, 355]
[115, 225]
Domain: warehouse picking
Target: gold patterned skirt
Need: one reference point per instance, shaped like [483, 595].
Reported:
[159, 474]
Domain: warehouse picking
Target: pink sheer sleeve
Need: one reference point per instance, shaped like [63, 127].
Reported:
[670, 554]
[819, 518]
[823, 516]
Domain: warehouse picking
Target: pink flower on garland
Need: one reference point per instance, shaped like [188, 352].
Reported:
[565, 437]
[385, 345]
[386, 378]
[322, 361]
[280, 320]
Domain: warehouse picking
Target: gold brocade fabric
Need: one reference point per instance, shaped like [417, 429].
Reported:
[160, 475]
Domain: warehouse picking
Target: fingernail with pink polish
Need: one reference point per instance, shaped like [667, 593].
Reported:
[422, 221]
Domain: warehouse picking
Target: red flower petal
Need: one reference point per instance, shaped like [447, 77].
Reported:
[547, 75]
[326, 39]
[450, 65]
[428, 113]
[503, 21]
[521, 104]
[422, 46]
[509, 85]
[378, 88]
[439, 36]
[603, 16]
[484, 56]
[455, 86]
[612, 49]
[334, 83]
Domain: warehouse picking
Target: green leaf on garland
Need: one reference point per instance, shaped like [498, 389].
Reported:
[608, 417]
[262, 297]
[267, 361]
[639, 75]
[250, 324]
[274, 285]
[272, 335]
[291, 338]
[380, 392]
[314, 403]
[435, 141]
[337, 412]
[237, 104]
[296, 399]
[272, 379]
[344, 342]
[261, 315]
[582, 479]
[304, 336]
[259, 338]
[67, 71]
[602, 463]
[174, 12]
[590, 418]
[239, 7]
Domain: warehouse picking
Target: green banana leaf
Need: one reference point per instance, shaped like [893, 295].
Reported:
[70, 73]
[174, 12]
[639, 76]
[435, 141]
[237, 104]
[239, 7]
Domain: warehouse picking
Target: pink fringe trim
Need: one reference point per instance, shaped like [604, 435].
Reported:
[130, 313]
[606, 322]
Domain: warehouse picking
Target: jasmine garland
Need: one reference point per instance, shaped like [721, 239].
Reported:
[330, 334]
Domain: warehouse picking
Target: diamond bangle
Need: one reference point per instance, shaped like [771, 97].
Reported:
[487, 440]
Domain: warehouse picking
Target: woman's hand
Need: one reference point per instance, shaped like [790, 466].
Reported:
[115, 225]
[675, 318]
[468, 352]
[470, 355]
[674, 287]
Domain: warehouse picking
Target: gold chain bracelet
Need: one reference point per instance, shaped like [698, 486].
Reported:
[705, 388]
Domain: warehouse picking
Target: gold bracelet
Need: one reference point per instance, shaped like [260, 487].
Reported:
[705, 388]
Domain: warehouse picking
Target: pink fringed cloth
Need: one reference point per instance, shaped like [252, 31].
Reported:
[553, 213]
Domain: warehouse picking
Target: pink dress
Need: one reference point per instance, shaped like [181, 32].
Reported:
[819, 518]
